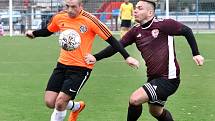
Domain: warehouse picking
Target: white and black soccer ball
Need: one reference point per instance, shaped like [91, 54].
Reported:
[69, 40]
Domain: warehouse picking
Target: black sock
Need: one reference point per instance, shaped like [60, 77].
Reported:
[134, 112]
[165, 116]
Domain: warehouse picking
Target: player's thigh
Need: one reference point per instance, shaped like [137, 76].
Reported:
[54, 85]
[56, 79]
[75, 79]
[159, 89]
[62, 100]
[139, 97]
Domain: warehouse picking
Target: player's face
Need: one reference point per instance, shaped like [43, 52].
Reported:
[73, 8]
[142, 12]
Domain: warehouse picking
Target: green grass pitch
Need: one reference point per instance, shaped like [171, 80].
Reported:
[25, 66]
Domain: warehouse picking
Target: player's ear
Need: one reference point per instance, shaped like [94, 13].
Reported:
[81, 4]
[150, 12]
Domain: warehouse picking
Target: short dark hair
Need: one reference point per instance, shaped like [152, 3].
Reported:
[151, 2]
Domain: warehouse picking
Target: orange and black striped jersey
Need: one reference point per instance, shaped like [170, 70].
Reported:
[87, 26]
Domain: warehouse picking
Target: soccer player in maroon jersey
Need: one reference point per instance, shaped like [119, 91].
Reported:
[154, 39]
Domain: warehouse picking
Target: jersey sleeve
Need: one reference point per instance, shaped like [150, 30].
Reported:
[53, 26]
[171, 27]
[101, 29]
[128, 38]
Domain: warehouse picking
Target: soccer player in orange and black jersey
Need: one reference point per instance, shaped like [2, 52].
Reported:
[72, 72]
[154, 39]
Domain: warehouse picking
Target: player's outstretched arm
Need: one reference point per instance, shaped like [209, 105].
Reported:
[187, 32]
[90, 59]
[38, 33]
[111, 50]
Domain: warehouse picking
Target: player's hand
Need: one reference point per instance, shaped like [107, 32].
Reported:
[199, 60]
[90, 59]
[29, 34]
[132, 62]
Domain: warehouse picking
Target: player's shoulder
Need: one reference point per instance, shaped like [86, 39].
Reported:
[159, 21]
[130, 4]
[162, 23]
[123, 4]
[156, 19]
[89, 16]
[163, 19]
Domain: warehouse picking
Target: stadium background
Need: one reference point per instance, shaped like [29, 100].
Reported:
[34, 14]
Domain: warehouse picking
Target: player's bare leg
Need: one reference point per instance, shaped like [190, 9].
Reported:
[50, 98]
[61, 102]
[135, 104]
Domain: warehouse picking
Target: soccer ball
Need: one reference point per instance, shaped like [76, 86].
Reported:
[69, 40]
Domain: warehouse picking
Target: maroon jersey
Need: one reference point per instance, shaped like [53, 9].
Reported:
[156, 44]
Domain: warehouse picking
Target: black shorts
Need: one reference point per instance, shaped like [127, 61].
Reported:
[126, 23]
[68, 79]
[159, 89]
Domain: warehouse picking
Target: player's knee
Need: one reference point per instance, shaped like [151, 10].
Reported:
[50, 103]
[134, 101]
[60, 104]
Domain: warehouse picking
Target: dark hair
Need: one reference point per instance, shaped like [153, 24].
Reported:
[151, 2]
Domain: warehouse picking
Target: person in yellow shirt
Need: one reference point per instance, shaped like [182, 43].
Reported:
[126, 16]
[71, 71]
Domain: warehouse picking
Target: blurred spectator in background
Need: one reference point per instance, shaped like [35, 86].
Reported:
[45, 20]
[1, 28]
[22, 24]
[126, 15]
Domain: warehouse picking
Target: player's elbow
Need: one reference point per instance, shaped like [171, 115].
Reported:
[186, 30]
